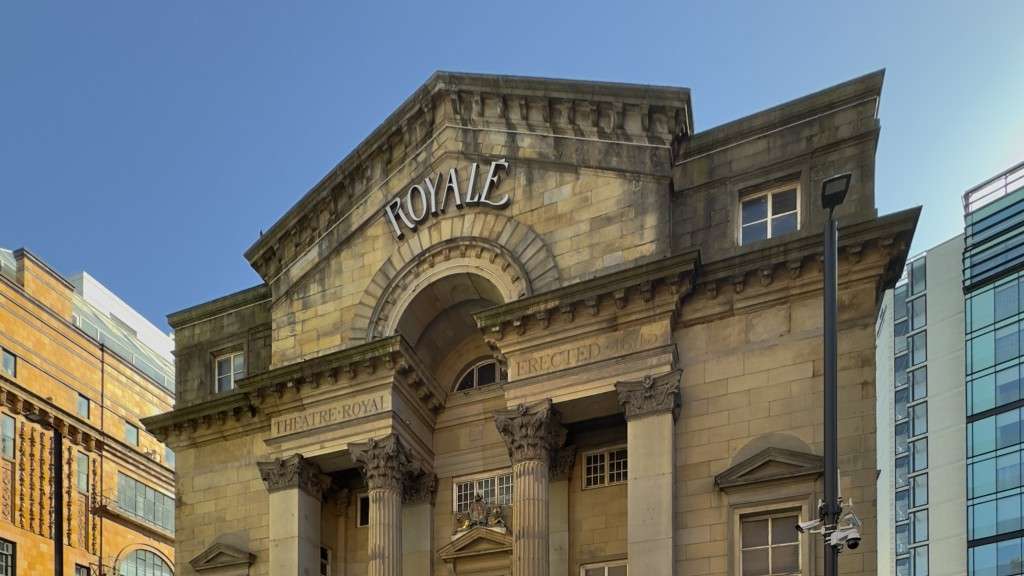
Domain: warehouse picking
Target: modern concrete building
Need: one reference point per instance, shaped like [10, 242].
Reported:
[993, 283]
[542, 327]
[73, 363]
[922, 493]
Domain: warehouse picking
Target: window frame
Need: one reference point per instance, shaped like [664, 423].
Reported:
[87, 404]
[4, 354]
[13, 555]
[803, 504]
[499, 370]
[606, 565]
[768, 192]
[5, 417]
[360, 498]
[79, 475]
[491, 474]
[606, 451]
[230, 355]
[771, 516]
[138, 434]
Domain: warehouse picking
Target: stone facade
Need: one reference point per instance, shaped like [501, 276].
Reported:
[596, 371]
[55, 363]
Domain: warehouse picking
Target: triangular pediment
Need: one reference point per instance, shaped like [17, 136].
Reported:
[769, 465]
[220, 555]
[477, 541]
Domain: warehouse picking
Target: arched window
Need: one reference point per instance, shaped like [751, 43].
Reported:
[144, 563]
[481, 374]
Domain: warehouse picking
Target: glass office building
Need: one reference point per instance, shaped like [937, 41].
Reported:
[993, 280]
[920, 418]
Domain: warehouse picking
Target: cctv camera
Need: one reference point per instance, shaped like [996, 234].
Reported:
[808, 526]
[853, 542]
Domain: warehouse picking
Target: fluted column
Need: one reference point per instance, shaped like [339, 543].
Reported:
[531, 433]
[296, 488]
[651, 406]
[384, 463]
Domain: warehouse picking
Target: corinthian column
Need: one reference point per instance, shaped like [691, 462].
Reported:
[384, 463]
[531, 433]
[296, 489]
[651, 407]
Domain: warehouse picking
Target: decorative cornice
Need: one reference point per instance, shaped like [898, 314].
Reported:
[651, 395]
[561, 463]
[618, 287]
[20, 400]
[384, 462]
[294, 471]
[531, 431]
[612, 112]
[218, 306]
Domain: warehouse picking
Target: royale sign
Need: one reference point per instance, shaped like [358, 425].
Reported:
[334, 413]
[431, 199]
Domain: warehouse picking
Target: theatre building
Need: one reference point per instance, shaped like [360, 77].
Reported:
[542, 327]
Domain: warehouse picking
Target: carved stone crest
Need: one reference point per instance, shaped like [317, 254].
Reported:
[530, 432]
[294, 472]
[481, 513]
[651, 395]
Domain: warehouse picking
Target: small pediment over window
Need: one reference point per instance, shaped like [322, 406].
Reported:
[222, 558]
[475, 542]
[769, 465]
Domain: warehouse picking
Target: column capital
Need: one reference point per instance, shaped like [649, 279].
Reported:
[419, 488]
[651, 395]
[561, 462]
[531, 431]
[384, 462]
[294, 472]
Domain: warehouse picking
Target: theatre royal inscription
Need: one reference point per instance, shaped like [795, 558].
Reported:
[332, 413]
[420, 202]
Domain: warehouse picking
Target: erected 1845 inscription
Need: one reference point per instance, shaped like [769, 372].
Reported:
[333, 413]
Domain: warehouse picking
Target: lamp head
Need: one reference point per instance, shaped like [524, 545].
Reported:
[833, 190]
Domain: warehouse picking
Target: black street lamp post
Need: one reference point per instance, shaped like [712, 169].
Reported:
[833, 192]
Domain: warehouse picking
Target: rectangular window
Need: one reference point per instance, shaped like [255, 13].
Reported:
[921, 561]
[82, 570]
[769, 214]
[9, 364]
[83, 406]
[492, 489]
[920, 524]
[7, 436]
[82, 472]
[145, 503]
[229, 368]
[919, 418]
[919, 452]
[902, 471]
[617, 568]
[919, 381]
[902, 505]
[918, 348]
[901, 397]
[918, 313]
[920, 490]
[918, 278]
[769, 545]
[363, 519]
[168, 457]
[325, 561]
[8, 558]
[605, 467]
[1006, 298]
[131, 434]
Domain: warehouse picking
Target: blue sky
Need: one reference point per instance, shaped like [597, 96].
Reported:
[149, 142]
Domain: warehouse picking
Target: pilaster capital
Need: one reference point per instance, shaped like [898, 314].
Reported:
[384, 462]
[561, 463]
[294, 472]
[531, 431]
[651, 395]
[420, 488]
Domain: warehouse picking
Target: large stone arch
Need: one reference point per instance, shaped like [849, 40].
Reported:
[509, 254]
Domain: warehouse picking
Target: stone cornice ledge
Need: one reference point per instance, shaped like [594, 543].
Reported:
[893, 230]
[676, 270]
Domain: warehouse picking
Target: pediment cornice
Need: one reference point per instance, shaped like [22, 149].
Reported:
[633, 114]
[769, 465]
[220, 555]
[476, 541]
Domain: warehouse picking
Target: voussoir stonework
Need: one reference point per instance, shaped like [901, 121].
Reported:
[294, 472]
[531, 431]
[651, 395]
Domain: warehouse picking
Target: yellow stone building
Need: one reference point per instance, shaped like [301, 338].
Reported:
[74, 368]
[542, 327]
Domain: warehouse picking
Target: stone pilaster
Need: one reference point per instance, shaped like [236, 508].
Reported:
[296, 488]
[558, 510]
[651, 406]
[385, 464]
[531, 433]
